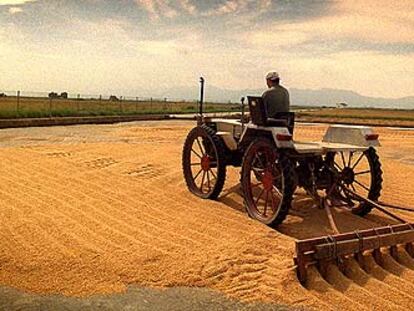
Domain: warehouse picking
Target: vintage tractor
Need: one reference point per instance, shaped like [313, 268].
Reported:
[343, 170]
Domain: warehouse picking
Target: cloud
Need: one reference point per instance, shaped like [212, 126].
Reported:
[98, 45]
[188, 6]
[391, 23]
[240, 6]
[15, 2]
[172, 8]
[158, 8]
[15, 10]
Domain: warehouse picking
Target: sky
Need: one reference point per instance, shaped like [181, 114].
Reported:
[102, 46]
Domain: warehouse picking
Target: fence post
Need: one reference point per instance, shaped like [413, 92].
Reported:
[151, 104]
[78, 103]
[18, 102]
[50, 106]
[136, 105]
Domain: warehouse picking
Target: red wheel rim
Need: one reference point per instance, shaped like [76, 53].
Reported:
[203, 164]
[265, 193]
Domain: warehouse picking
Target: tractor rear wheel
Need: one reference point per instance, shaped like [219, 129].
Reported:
[359, 172]
[203, 162]
[267, 180]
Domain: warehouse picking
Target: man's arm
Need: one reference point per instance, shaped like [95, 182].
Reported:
[265, 97]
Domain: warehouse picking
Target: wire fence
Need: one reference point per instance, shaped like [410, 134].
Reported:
[42, 104]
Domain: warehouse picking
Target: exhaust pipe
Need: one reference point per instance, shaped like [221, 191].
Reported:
[201, 102]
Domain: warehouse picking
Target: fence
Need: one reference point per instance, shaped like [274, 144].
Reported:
[38, 104]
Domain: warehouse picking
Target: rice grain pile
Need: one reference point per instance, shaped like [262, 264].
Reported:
[92, 209]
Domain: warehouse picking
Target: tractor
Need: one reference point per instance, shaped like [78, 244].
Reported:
[343, 170]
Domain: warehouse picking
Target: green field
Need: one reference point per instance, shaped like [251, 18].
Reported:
[36, 107]
[32, 107]
[368, 116]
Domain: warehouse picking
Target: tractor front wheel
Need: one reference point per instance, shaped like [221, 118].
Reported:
[267, 182]
[204, 164]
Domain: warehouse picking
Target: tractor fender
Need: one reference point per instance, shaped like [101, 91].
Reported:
[353, 135]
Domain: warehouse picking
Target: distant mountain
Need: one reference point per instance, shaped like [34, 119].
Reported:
[330, 97]
[302, 97]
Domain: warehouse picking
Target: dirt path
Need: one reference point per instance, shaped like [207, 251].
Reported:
[92, 209]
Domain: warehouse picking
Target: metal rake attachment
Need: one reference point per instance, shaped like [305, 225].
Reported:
[320, 251]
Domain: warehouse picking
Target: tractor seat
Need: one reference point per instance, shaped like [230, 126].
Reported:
[258, 114]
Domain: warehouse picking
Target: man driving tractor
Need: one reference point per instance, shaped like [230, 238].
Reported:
[276, 98]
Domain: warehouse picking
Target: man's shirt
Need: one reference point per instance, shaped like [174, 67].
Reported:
[276, 99]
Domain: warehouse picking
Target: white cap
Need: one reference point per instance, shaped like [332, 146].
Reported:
[272, 76]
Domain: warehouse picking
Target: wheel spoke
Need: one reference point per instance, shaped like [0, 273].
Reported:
[199, 146]
[202, 181]
[333, 170]
[363, 172]
[357, 162]
[338, 167]
[347, 198]
[192, 150]
[212, 173]
[256, 185]
[208, 181]
[343, 158]
[353, 187]
[260, 161]
[195, 164]
[198, 174]
[350, 158]
[258, 198]
[362, 185]
[265, 207]
[273, 202]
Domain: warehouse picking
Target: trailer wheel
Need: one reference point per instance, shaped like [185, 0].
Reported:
[203, 162]
[267, 179]
[360, 172]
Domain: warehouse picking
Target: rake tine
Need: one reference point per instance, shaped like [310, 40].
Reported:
[394, 252]
[301, 271]
[323, 267]
[409, 247]
[377, 251]
[394, 248]
[341, 265]
[326, 250]
[359, 257]
[378, 257]
[323, 264]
